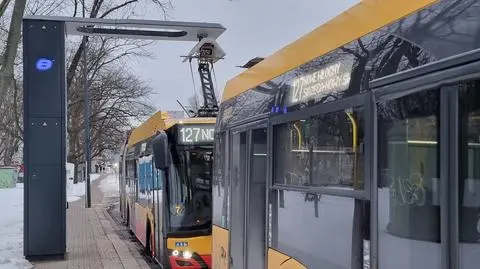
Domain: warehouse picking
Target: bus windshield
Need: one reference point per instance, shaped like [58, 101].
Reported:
[189, 189]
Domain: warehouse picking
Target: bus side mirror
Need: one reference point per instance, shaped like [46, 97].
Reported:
[160, 151]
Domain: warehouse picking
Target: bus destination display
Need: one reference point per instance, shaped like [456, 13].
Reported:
[191, 134]
[333, 78]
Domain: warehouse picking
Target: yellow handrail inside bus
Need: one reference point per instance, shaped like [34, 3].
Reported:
[299, 135]
[354, 147]
[354, 131]
[354, 143]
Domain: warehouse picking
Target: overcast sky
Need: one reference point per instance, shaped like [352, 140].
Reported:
[254, 28]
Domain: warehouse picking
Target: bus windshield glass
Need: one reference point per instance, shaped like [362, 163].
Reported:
[189, 189]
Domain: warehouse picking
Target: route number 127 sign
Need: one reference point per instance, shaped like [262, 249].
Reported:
[192, 134]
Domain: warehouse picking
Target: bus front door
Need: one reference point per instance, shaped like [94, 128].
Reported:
[248, 170]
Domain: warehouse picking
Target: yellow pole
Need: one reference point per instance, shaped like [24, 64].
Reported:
[299, 135]
[354, 146]
[354, 131]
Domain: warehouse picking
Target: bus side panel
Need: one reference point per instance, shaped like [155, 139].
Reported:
[220, 247]
[277, 260]
[141, 223]
[200, 247]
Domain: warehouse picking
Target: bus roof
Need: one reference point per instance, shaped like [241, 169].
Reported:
[363, 18]
[161, 121]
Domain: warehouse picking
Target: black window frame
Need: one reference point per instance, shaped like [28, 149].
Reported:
[275, 190]
[363, 101]
[221, 145]
[445, 75]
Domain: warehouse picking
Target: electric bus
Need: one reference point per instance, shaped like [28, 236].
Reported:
[355, 146]
[170, 209]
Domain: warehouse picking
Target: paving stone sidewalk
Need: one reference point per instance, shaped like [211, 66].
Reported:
[92, 242]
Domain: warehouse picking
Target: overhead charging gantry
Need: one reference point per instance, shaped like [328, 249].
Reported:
[206, 52]
[45, 110]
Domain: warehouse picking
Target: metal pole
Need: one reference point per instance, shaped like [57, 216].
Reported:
[86, 100]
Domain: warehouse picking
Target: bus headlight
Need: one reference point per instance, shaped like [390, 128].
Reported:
[187, 255]
[175, 252]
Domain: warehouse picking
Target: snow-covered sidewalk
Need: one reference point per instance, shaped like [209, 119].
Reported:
[110, 186]
[11, 220]
[77, 191]
[11, 229]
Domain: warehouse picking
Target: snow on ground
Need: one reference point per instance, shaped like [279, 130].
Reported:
[11, 218]
[77, 191]
[110, 186]
[11, 229]
[11, 223]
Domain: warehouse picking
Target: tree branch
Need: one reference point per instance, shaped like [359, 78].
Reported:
[117, 8]
[3, 6]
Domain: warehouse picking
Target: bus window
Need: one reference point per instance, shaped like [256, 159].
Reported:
[408, 191]
[323, 150]
[130, 169]
[157, 177]
[135, 184]
[322, 234]
[292, 157]
[336, 149]
[220, 188]
[190, 188]
[469, 178]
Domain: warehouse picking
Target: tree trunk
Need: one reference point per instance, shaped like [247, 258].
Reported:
[10, 148]
[3, 6]
[13, 150]
[11, 48]
[75, 174]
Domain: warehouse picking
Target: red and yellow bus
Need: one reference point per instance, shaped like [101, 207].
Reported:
[170, 209]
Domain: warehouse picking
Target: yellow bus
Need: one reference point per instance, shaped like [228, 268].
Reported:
[355, 146]
[170, 209]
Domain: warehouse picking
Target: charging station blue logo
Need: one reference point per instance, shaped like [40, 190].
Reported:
[43, 64]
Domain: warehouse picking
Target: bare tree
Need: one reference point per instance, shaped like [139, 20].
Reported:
[11, 134]
[116, 94]
[117, 97]
[193, 104]
[10, 51]
[3, 6]
[103, 53]
[46, 7]
[104, 9]
[10, 92]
